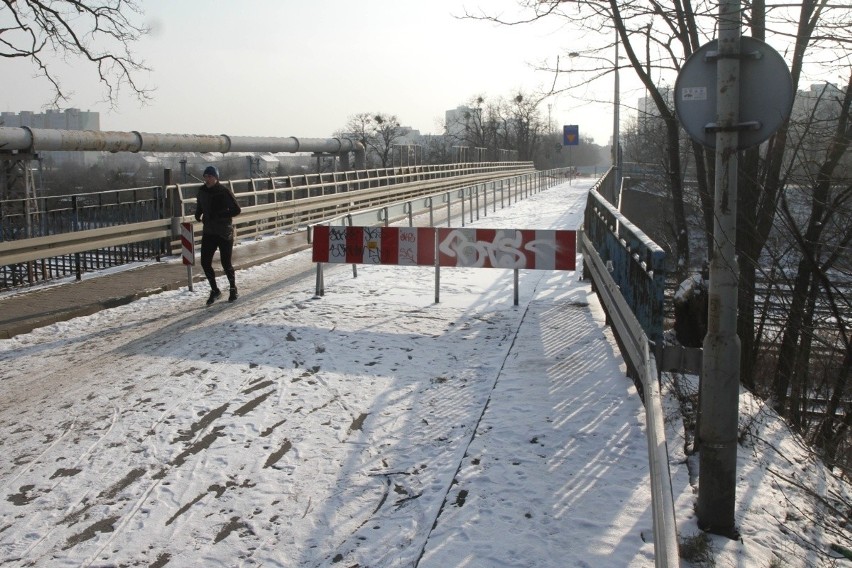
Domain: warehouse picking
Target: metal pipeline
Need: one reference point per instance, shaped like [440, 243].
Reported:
[42, 139]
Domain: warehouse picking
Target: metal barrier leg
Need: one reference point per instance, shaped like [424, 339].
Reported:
[320, 286]
[516, 286]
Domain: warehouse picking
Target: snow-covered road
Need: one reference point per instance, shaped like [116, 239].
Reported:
[368, 427]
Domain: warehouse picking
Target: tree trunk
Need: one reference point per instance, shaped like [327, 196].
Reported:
[801, 375]
[705, 172]
[787, 351]
[811, 246]
[832, 430]
[749, 253]
[676, 183]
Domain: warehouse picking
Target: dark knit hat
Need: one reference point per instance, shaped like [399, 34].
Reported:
[211, 171]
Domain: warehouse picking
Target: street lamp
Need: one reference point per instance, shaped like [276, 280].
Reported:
[616, 131]
[616, 106]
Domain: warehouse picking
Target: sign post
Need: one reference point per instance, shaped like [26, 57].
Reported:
[570, 137]
[187, 242]
[731, 94]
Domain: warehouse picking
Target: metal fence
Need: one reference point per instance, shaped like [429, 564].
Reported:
[627, 271]
[70, 235]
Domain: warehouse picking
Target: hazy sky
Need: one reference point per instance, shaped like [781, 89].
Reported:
[302, 68]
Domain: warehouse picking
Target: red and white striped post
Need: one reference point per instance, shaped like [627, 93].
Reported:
[187, 242]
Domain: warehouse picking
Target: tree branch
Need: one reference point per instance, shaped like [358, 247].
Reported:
[100, 32]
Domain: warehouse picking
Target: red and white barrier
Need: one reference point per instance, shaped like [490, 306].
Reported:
[429, 246]
[407, 246]
[187, 243]
[463, 247]
[507, 248]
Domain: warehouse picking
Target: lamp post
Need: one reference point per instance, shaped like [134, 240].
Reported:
[616, 116]
[616, 131]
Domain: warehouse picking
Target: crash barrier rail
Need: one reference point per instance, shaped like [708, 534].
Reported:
[622, 302]
[94, 231]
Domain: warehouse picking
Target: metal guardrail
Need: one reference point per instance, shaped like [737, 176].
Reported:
[476, 196]
[270, 205]
[299, 212]
[639, 354]
[26, 250]
[637, 263]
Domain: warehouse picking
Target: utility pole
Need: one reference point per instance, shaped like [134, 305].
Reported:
[719, 391]
[616, 119]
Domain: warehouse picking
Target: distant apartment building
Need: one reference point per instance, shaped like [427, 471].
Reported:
[647, 113]
[822, 101]
[68, 119]
[458, 120]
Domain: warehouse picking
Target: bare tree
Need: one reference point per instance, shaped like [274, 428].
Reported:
[99, 32]
[378, 132]
[525, 126]
[657, 37]
[632, 22]
[499, 124]
[359, 126]
[386, 131]
[474, 125]
[794, 193]
[821, 244]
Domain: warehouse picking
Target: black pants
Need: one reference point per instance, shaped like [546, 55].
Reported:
[209, 244]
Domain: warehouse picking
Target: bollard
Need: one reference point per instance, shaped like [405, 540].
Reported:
[187, 242]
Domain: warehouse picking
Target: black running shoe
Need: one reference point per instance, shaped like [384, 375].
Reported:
[233, 295]
[214, 294]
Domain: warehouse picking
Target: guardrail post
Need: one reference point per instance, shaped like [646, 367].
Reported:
[75, 213]
[476, 189]
[172, 204]
[485, 199]
[171, 198]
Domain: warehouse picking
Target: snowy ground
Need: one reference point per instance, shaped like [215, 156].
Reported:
[369, 427]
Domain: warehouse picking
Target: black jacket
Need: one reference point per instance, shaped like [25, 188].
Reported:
[216, 207]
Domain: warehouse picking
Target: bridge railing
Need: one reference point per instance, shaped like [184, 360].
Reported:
[635, 262]
[626, 268]
[66, 236]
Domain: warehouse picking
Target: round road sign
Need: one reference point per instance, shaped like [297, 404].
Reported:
[766, 93]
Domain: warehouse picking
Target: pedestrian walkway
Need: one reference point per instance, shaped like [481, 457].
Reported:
[370, 426]
[22, 311]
